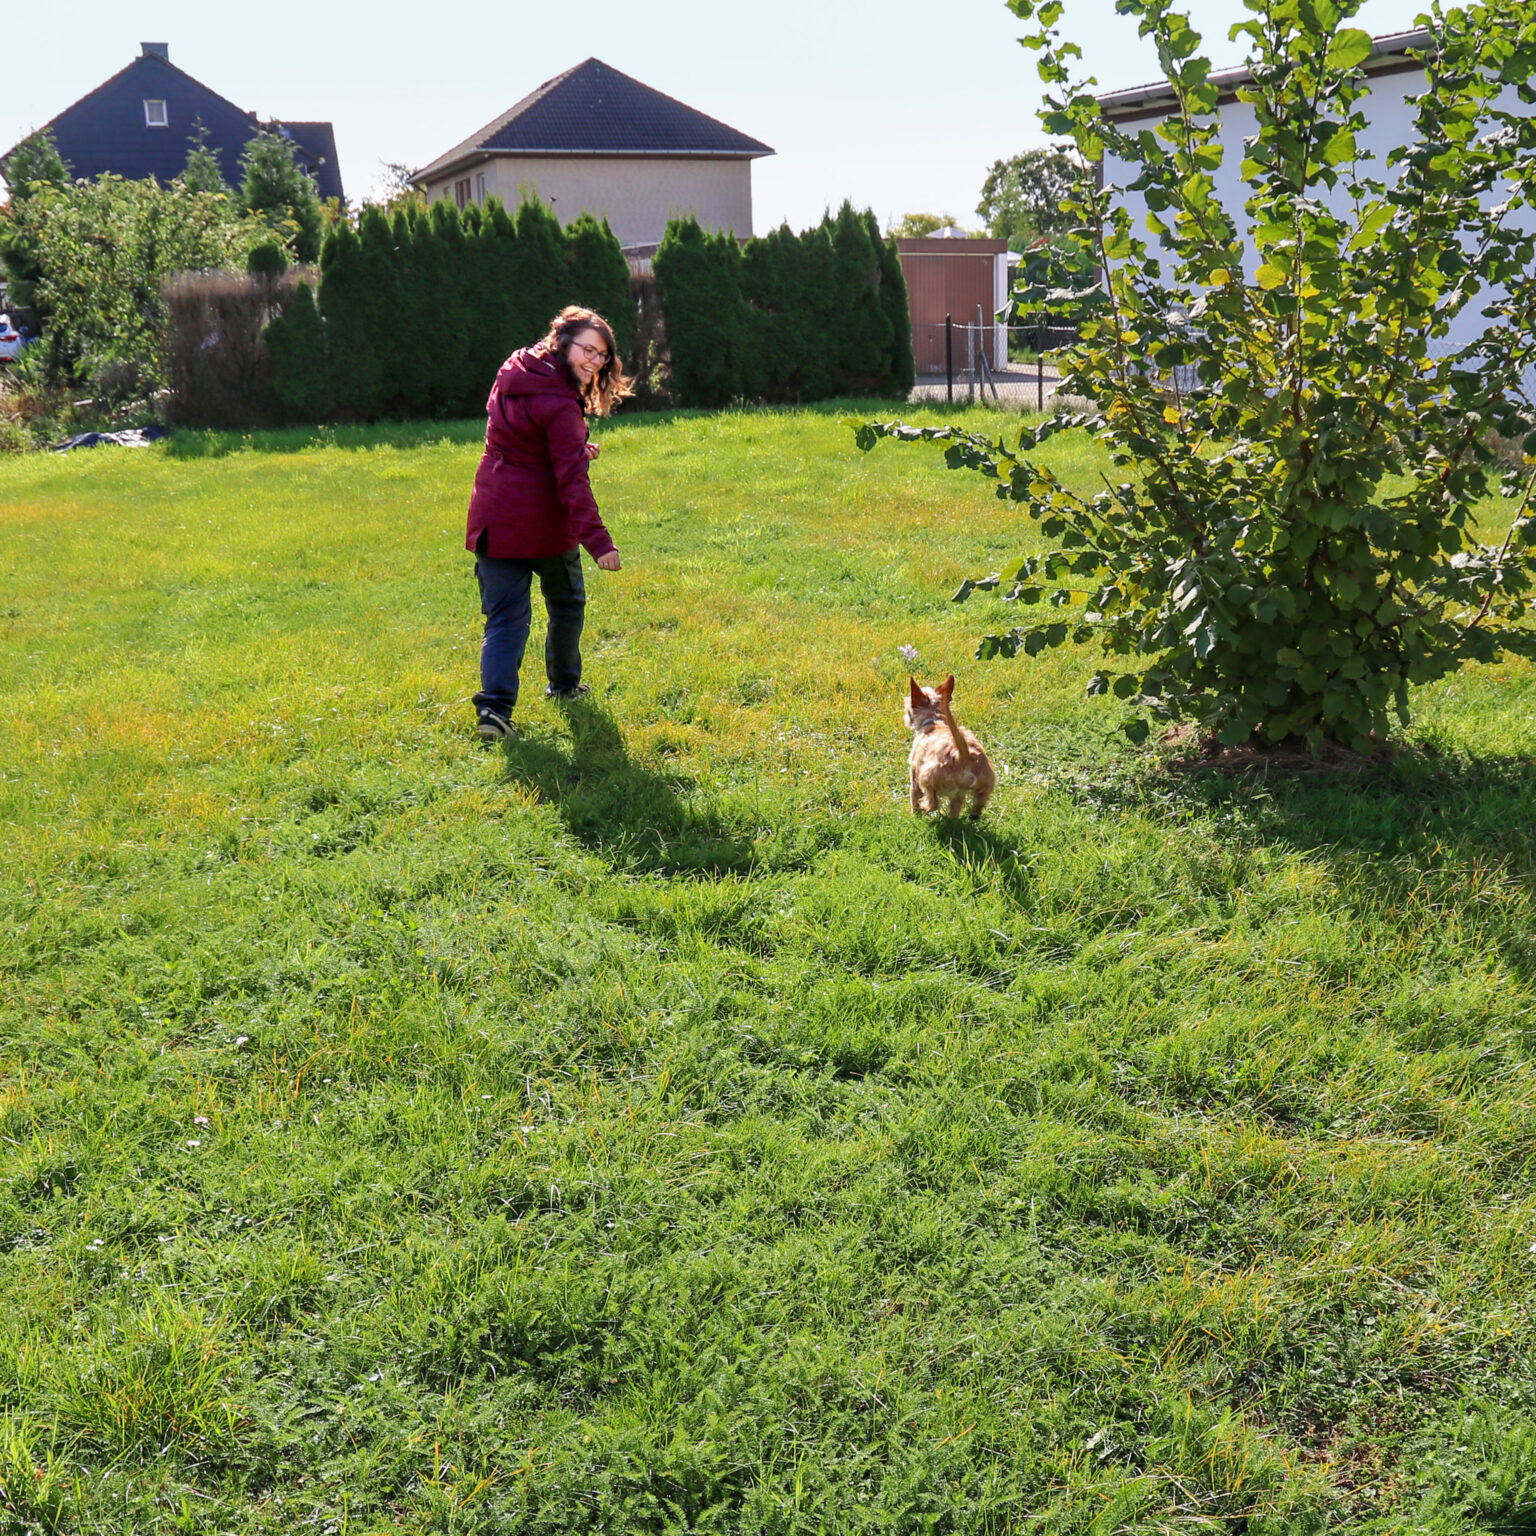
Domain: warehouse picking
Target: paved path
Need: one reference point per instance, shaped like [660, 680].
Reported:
[1021, 386]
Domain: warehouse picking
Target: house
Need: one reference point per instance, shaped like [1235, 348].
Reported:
[1394, 78]
[594, 140]
[145, 120]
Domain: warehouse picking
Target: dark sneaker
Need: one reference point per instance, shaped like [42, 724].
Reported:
[489, 726]
[575, 691]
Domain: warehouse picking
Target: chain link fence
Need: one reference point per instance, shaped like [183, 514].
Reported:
[1010, 366]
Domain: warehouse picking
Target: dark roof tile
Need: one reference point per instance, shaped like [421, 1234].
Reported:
[105, 132]
[594, 109]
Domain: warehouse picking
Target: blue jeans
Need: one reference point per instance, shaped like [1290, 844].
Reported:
[504, 600]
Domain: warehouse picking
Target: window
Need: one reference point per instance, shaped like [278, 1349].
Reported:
[155, 115]
[461, 192]
[480, 187]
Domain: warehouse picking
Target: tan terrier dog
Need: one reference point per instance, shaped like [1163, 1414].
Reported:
[947, 761]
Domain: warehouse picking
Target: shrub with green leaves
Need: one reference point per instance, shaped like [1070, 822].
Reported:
[278, 190]
[102, 253]
[1290, 545]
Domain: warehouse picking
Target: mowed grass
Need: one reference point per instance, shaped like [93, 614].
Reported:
[648, 1126]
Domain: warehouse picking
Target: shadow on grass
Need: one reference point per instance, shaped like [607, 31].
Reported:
[637, 819]
[208, 443]
[977, 846]
[1479, 810]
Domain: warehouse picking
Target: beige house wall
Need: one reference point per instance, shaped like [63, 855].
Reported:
[637, 196]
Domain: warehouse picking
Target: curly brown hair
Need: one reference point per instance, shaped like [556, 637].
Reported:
[610, 386]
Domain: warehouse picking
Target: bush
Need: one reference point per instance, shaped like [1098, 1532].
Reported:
[217, 364]
[101, 254]
[295, 345]
[787, 317]
[698, 280]
[277, 190]
[1294, 545]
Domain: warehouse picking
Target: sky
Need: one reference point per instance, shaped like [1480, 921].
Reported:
[899, 106]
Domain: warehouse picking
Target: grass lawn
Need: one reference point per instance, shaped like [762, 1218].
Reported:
[649, 1126]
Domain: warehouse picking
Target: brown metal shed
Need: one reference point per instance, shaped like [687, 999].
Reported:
[951, 277]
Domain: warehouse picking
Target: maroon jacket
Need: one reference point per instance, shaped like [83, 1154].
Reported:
[532, 497]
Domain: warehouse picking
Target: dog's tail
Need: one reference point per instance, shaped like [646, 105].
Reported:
[946, 691]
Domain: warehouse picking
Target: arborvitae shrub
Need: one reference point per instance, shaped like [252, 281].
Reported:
[451, 389]
[862, 338]
[382, 307]
[893, 300]
[344, 303]
[412, 385]
[490, 288]
[295, 343]
[597, 275]
[789, 317]
[539, 285]
[698, 280]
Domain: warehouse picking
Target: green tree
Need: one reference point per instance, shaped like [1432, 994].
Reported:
[538, 274]
[454, 391]
[597, 275]
[861, 339]
[698, 280]
[277, 190]
[356, 376]
[103, 252]
[295, 341]
[918, 226]
[1024, 199]
[1293, 545]
[413, 382]
[202, 172]
[893, 300]
[34, 166]
[383, 307]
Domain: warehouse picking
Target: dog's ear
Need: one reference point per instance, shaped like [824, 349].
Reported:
[919, 697]
[947, 687]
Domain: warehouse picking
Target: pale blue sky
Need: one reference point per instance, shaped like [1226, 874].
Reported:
[900, 106]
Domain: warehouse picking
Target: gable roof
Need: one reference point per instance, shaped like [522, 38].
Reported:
[594, 109]
[1389, 55]
[106, 132]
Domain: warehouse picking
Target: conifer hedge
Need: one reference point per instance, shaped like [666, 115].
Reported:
[414, 314]
[786, 317]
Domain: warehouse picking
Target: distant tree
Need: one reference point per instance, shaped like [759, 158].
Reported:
[862, 340]
[103, 252]
[295, 342]
[916, 226]
[355, 374]
[698, 279]
[34, 166]
[1023, 199]
[598, 274]
[278, 190]
[202, 172]
[395, 183]
[35, 162]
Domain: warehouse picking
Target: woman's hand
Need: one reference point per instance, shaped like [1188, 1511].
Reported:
[592, 450]
[610, 561]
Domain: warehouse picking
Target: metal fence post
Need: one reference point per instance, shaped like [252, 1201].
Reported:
[949, 359]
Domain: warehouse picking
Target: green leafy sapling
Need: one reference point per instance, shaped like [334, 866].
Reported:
[1305, 455]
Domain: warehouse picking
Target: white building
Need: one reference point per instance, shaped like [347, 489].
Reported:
[1394, 80]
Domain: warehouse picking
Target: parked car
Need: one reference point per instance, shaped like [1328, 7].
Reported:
[10, 340]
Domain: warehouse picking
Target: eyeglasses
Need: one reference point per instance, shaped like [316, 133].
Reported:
[597, 354]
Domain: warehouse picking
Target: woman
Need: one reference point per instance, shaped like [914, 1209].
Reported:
[532, 509]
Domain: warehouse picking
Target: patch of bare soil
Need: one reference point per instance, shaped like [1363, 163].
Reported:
[1286, 759]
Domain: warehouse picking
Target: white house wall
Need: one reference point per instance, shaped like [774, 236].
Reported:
[1390, 121]
[637, 196]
